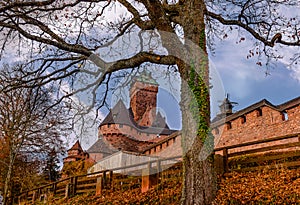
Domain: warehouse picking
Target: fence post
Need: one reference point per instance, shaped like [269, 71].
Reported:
[148, 178]
[69, 188]
[104, 179]
[54, 188]
[99, 186]
[110, 179]
[225, 160]
[159, 169]
[75, 185]
[34, 196]
[67, 191]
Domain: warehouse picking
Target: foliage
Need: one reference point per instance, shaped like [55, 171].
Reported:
[51, 170]
[76, 168]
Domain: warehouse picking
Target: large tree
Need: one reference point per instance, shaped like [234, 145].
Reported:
[61, 35]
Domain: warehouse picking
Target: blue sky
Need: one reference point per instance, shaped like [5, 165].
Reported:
[247, 82]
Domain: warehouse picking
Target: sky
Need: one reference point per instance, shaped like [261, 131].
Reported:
[247, 83]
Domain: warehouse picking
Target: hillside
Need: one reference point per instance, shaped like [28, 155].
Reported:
[277, 186]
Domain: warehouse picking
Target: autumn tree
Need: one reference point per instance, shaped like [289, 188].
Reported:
[51, 167]
[62, 36]
[31, 127]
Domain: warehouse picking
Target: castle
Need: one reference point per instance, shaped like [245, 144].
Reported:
[134, 130]
[141, 130]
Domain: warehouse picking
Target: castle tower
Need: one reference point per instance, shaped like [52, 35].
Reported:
[143, 94]
[226, 106]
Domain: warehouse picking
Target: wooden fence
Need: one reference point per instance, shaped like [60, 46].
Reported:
[271, 152]
[242, 157]
[98, 181]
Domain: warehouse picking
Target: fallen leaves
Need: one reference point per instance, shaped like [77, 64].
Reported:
[277, 186]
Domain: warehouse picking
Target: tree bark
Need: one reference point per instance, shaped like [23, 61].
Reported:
[8, 177]
[199, 180]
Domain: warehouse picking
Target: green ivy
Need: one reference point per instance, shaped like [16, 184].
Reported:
[199, 104]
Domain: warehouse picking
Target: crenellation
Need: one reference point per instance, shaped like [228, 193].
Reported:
[258, 123]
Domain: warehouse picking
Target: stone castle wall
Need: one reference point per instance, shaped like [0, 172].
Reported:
[131, 131]
[265, 122]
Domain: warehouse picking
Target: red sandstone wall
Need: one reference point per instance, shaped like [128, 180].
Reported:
[270, 124]
[97, 156]
[143, 103]
[130, 131]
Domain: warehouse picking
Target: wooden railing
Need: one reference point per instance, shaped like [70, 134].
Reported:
[94, 182]
[251, 150]
[98, 181]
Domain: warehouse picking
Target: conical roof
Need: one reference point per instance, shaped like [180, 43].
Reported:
[76, 146]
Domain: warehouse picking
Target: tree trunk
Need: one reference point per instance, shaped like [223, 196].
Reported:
[199, 179]
[8, 177]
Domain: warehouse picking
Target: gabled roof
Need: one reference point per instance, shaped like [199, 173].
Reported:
[282, 107]
[76, 146]
[118, 115]
[121, 115]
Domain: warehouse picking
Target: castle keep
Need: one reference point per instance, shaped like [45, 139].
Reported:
[132, 129]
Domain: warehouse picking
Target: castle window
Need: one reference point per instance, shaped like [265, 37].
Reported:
[120, 125]
[228, 125]
[285, 116]
[160, 146]
[243, 119]
[258, 112]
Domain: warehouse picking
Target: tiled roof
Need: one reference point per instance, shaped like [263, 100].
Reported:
[121, 115]
[76, 146]
[118, 115]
